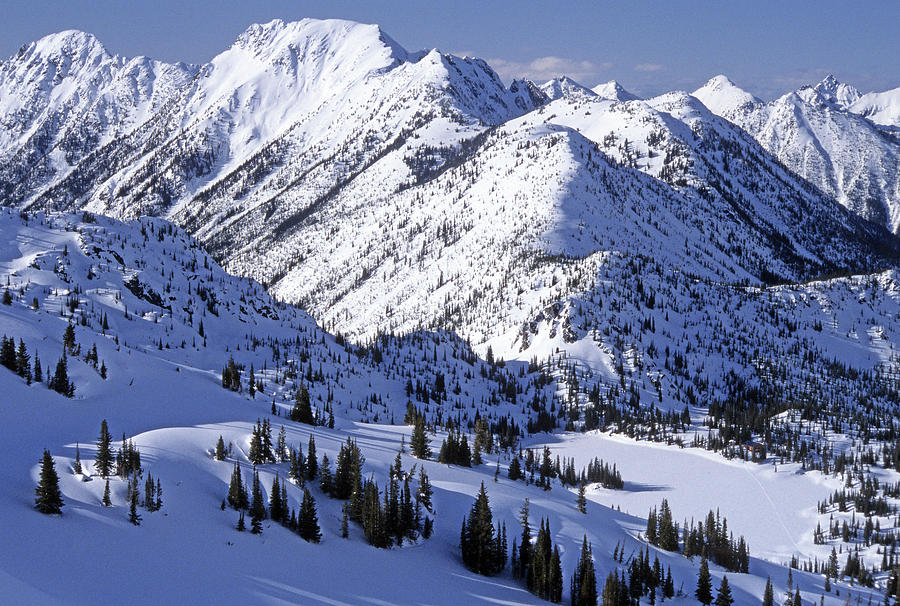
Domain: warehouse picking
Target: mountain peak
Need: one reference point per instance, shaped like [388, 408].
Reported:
[72, 43]
[316, 35]
[564, 86]
[720, 95]
[614, 91]
[835, 91]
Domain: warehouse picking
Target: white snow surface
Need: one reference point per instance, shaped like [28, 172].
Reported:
[163, 391]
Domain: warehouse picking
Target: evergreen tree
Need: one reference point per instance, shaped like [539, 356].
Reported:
[704, 585]
[103, 462]
[277, 509]
[525, 547]
[424, 490]
[47, 497]
[8, 353]
[107, 501]
[297, 471]
[257, 506]
[133, 516]
[302, 411]
[584, 581]
[312, 463]
[668, 531]
[76, 467]
[581, 501]
[515, 469]
[610, 596]
[769, 594]
[37, 373]
[555, 578]
[23, 362]
[479, 545]
[308, 521]
[419, 441]
[60, 381]
[237, 493]
[348, 476]
[723, 595]
[220, 449]
[69, 337]
[241, 526]
[326, 480]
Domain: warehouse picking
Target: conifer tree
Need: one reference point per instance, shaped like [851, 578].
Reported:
[302, 411]
[581, 501]
[515, 469]
[723, 595]
[47, 497]
[703, 592]
[241, 526]
[308, 521]
[257, 506]
[481, 548]
[610, 596]
[525, 547]
[277, 509]
[326, 481]
[768, 594]
[312, 463]
[237, 493]
[419, 441]
[107, 501]
[69, 337]
[220, 449]
[345, 521]
[584, 581]
[424, 490]
[60, 381]
[23, 362]
[103, 462]
[37, 373]
[76, 467]
[133, 516]
[555, 578]
[297, 471]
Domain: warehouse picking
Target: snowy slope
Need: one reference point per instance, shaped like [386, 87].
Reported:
[880, 108]
[566, 87]
[614, 91]
[720, 95]
[163, 391]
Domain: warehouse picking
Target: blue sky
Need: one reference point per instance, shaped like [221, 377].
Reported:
[767, 47]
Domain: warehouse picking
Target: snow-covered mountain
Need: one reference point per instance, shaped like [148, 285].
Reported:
[720, 95]
[565, 87]
[614, 91]
[880, 108]
[814, 132]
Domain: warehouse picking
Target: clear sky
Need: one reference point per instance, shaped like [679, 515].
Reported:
[767, 47]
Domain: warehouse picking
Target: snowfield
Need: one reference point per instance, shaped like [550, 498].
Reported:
[171, 403]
